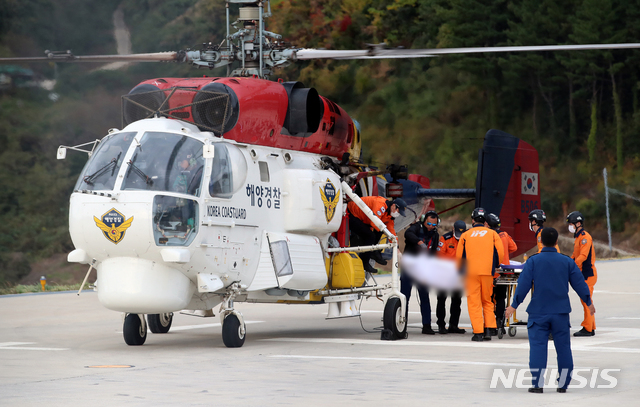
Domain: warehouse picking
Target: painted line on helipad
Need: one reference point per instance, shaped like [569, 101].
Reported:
[495, 344]
[15, 346]
[442, 362]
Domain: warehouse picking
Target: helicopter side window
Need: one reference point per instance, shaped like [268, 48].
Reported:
[228, 171]
[264, 171]
[166, 162]
[101, 170]
[175, 220]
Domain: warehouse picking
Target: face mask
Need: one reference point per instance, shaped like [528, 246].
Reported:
[572, 228]
[395, 214]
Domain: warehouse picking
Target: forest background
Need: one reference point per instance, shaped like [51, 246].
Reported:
[581, 110]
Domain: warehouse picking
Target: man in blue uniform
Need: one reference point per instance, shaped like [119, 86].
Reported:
[551, 273]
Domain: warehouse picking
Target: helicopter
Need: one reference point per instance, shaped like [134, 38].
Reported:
[234, 189]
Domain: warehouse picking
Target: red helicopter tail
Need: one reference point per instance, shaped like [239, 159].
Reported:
[508, 183]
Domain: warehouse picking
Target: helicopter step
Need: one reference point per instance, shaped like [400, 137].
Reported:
[342, 306]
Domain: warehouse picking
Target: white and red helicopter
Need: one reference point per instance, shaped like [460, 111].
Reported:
[223, 190]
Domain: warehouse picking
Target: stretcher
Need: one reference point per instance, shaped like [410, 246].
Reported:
[509, 274]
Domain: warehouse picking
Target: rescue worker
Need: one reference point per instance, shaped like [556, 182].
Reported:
[537, 217]
[421, 237]
[447, 249]
[584, 254]
[500, 291]
[479, 252]
[551, 273]
[368, 233]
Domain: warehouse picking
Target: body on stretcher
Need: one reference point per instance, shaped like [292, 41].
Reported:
[509, 274]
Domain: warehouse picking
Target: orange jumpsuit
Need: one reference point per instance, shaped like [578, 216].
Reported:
[509, 246]
[539, 240]
[584, 254]
[479, 252]
[378, 206]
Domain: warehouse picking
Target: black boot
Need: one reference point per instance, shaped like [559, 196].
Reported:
[584, 332]
[535, 390]
[456, 330]
[477, 337]
[426, 329]
[442, 330]
[377, 257]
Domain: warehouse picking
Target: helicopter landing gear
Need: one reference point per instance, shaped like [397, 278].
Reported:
[393, 318]
[160, 323]
[233, 326]
[233, 330]
[134, 329]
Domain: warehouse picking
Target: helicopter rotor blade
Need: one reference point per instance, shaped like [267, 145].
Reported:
[378, 52]
[179, 56]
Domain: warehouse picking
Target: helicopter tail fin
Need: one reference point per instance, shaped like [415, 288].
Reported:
[508, 184]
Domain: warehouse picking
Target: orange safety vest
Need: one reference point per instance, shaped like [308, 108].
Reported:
[378, 206]
[584, 254]
[479, 251]
[447, 246]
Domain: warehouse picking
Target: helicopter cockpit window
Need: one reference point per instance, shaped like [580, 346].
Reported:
[101, 170]
[175, 220]
[228, 171]
[166, 162]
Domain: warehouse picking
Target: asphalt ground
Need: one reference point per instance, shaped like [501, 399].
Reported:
[59, 349]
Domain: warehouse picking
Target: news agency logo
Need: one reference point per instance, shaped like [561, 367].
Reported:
[580, 378]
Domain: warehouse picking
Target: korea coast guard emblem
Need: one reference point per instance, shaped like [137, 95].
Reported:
[330, 198]
[113, 225]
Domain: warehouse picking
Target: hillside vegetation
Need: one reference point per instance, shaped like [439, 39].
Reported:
[581, 110]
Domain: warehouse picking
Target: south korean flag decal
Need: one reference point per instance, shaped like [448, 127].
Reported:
[529, 183]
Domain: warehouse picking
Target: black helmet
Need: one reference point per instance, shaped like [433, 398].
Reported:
[459, 227]
[493, 220]
[575, 217]
[478, 215]
[538, 215]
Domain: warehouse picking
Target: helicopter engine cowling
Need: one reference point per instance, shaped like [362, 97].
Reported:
[281, 115]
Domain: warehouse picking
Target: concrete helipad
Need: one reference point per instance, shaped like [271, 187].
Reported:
[64, 350]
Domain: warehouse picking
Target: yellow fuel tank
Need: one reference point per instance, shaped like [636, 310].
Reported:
[347, 271]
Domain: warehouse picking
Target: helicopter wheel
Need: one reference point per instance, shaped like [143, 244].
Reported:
[392, 318]
[134, 330]
[160, 323]
[233, 332]
[512, 331]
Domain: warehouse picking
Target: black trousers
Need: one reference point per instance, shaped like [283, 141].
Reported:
[364, 236]
[454, 309]
[499, 299]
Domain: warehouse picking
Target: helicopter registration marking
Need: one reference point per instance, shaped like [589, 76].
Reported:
[264, 196]
[226, 212]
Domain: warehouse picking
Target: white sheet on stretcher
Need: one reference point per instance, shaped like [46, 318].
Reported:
[432, 271]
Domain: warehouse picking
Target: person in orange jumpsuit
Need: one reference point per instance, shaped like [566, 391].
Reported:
[367, 232]
[500, 291]
[479, 252]
[447, 249]
[537, 217]
[584, 254]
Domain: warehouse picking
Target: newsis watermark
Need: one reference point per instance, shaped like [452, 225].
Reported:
[580, 378]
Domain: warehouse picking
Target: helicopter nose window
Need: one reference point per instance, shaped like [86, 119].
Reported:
[166, 162]
[228, 171]
[175, 220]
[101, 170]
